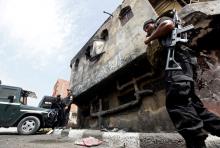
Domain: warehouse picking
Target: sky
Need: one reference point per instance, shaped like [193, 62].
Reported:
[38, 39]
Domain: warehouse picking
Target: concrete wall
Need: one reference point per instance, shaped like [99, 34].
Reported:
[125, 43]
[149, 115]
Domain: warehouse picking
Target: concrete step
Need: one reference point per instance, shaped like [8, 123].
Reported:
[134, 140]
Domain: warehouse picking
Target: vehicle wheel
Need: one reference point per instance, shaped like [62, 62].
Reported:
[28, 125]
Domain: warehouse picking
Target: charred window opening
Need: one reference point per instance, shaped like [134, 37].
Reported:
[96, 57]
[105, 104]
[76, 64]
[95, 106]
[84, 110]
[130, 82]
[211, 39]
[95, 51]
[98, 104]
[87, 53]
[135, 70]
[104, 35]
[125, 15]
[127, 97]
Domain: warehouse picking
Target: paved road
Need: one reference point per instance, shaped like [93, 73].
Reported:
[10, 139]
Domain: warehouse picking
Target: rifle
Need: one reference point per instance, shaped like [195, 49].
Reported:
[179, 34]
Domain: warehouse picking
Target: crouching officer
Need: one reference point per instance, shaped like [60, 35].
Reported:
[191, 119]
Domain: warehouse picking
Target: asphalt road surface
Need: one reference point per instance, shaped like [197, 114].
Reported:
[10, 139]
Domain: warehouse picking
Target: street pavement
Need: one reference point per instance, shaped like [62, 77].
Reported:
[10, 139]
[35, 141]
[122, 139]
[67, 138]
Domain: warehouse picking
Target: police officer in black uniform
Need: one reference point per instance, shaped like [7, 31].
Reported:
[58, 105]
[67, 101]
[191, 119]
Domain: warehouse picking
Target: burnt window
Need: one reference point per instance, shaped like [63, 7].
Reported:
[97, 104]
[88, 52]
[104, 35]
[76, 64]
[94, 52]
[125, 15]
[127, 97]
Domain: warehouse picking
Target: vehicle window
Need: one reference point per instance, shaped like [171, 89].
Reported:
[5, 92]
[46, 104]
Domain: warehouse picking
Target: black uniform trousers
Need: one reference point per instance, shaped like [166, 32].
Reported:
[191, 119]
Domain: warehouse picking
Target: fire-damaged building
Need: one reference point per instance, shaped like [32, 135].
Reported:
[118, 80]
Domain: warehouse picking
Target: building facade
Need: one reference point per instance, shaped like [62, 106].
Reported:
[114, 75]
[60, 88]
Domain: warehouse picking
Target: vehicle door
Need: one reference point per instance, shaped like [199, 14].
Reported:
[9, 109]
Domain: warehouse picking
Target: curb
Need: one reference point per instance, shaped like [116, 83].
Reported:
[134, 140]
